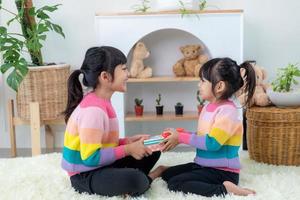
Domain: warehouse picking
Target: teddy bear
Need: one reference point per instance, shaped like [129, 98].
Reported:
[137, 68]
[194, 58]
[260, 97]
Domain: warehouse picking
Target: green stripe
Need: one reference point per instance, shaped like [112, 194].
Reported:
[211, 143]
[74, 157]
[226, 151]
[93, 160]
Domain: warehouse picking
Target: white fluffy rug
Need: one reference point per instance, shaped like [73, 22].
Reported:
[42, 178]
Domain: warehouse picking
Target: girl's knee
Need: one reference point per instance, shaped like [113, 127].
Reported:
[174, 184]
[138, 183]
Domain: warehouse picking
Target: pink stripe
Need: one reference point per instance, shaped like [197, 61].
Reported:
[92, 100]
[229, 169]
[120, 152]
[110, 111]
[113, 125]
[92, 117]
[73, 173]
[184, 138]
[122, 141]
[211, 107]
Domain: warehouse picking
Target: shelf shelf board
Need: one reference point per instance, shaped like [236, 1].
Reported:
[163, 79]
[167, 116]
[170, 12]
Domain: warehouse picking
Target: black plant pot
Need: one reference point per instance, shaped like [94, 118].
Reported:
[178, 110]
[159, 110]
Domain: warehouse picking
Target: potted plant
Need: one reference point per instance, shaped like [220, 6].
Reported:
[200, 102]
[139, 108]
[283, 93]
[159, 108]
[179, 109]
[35, 80]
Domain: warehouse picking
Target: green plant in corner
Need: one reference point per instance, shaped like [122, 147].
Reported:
[202, 4]
[142, 7]
[178, 104]
[14, 45]
[286, 78]
[138, 102]
[200, 101]
[158, 100]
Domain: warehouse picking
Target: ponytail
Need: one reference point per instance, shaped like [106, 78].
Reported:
[250, 81]
[75, 94]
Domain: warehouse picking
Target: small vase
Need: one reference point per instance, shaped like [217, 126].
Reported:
[139, 110]
[178, 110]
[200, 107]
[159, 110]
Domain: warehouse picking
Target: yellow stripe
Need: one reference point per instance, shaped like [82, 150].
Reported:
[88, 149]
[73, 142]
[220, 135]
[235, 140]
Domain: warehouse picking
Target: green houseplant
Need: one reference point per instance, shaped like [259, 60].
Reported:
[283, 93]
[178, 109]
[200, 102]
[30, 79]
[159, 107]
[139, 108]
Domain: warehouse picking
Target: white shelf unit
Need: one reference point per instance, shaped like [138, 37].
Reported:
[163, 32]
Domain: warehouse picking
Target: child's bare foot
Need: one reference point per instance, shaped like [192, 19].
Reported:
[234, 189]
[157, 172]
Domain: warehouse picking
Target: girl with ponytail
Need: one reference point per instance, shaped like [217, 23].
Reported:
[96, 159]
[216, 167]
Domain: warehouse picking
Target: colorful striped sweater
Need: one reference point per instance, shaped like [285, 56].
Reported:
[92, 136]
[219, 137]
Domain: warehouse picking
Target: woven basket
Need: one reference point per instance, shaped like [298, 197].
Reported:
[46, 85]
[273, 135]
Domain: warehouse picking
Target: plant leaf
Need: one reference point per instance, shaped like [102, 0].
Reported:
[5, 67]
[58, 29]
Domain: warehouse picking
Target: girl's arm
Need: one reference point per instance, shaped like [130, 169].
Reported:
[93, 152]
[226, 125]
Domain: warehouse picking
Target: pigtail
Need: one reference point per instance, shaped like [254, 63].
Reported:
[250, 81]
[75, 94]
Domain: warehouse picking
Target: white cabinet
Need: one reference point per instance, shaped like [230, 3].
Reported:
[163, 32]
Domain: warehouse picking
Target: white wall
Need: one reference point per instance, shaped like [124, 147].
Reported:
[271, 37]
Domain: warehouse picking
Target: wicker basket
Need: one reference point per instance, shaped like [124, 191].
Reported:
[273, 135]
[46, 85]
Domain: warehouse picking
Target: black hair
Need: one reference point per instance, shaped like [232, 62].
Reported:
[227, 70]
[97, 60]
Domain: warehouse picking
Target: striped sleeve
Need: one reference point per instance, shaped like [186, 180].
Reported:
[91, 128]
[225, 125]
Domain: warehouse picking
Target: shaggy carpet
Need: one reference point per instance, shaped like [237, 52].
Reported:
[42, 178]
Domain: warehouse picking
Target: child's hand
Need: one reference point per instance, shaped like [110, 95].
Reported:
[137, 149]
[171, 141]
[135, 138]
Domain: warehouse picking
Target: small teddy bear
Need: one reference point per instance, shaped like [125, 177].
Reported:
[260, 97]
[194, 58]
[137, 69]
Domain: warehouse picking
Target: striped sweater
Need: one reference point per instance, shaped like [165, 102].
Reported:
[218, 138]
[92, 136]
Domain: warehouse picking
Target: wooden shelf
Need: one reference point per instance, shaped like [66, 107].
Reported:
[167, 116]
[171, 12]
[163, 79]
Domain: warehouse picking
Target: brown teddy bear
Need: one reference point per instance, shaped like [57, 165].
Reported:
[137, 69]
[194, 58]
[260, 97]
